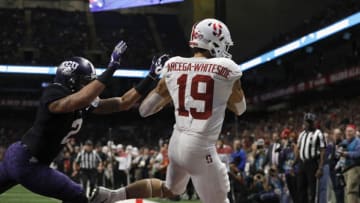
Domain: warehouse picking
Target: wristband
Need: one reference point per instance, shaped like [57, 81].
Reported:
[105, 77]
[145, 85]
[153, 75]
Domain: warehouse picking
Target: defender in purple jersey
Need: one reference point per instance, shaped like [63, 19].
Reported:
[63, 105]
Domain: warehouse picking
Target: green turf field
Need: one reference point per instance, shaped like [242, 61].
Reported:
[19, 194]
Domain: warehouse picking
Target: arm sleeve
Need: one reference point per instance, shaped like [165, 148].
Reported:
[243, 160]
[240, 106]
[53, 93]
[128, 159]
[299, 138]
[321, 139]
[77, 160]
[98, 157]
[356, 153]
[235, 69]
[267, 157]
[149, 105]
[232, 158]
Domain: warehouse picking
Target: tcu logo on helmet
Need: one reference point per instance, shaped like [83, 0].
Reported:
[67, 67]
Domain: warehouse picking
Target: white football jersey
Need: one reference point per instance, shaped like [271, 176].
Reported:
[200, 89]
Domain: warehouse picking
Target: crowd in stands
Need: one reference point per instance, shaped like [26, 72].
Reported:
[40, 39]
[252, 180]
[332, 13]
[129, 27]
[12, 35]
[50, 35]
[51, 29]
[315, 60]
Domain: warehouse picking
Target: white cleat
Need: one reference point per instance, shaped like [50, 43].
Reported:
[104, 195]
[100, 195]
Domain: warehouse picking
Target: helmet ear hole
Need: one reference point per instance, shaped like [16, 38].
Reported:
[72, 81]
[227, 47]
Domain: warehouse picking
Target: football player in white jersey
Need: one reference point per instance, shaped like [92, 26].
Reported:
[201, 88]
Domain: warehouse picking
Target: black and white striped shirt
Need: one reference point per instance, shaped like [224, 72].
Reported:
[88, 160]
[310, 143]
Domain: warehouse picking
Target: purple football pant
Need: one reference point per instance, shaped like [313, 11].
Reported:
[16, 168]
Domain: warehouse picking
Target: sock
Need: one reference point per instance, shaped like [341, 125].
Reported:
[119, 194]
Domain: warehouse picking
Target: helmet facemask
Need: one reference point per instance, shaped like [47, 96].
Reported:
[80, 81]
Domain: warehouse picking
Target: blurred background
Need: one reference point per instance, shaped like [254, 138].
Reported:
[322, 77]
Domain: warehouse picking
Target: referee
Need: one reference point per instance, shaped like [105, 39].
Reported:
[89, 160]
[310, 156]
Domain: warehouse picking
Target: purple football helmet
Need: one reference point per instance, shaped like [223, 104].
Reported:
[75, 73]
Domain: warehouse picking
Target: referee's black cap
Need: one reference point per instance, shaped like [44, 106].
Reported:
[88, 142]
[309, 117]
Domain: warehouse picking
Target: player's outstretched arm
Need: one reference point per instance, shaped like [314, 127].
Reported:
[126, 101]
[155, 100]
[237, 102]
[90, 92]
[78, 100]
[115, 104]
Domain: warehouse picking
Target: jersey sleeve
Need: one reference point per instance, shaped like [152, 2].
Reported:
[53, 93]
[77, 159]
[299, 138]
[321, 138]
[235, 70]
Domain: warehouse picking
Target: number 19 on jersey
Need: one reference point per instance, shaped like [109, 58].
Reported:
[206, 96]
